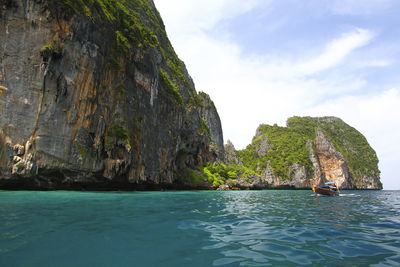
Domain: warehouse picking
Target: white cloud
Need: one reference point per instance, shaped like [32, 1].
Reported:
[253, 90]
[337, 50]
[193, 16]
[331, 55]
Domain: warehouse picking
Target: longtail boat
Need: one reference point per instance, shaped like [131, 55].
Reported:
[329, 189]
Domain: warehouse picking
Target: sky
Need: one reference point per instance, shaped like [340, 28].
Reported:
[263, 61]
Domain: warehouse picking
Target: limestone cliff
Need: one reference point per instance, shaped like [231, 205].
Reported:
[92, 95]
[309, 151]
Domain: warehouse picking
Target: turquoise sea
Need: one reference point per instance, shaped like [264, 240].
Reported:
[206, 228]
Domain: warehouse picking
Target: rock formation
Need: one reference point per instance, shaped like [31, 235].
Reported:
[230, 154]
[93, 96]
[309, 151]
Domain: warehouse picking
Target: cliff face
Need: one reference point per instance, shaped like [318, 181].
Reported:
[330, 164]
[211, 118]
[94, 96]
[310, 151]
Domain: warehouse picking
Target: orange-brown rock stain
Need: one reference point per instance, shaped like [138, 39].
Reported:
[163, 160]
[142, 81]
[84, 98]
[62, 29]
[330, 165]
[3, 90]
[137, 167]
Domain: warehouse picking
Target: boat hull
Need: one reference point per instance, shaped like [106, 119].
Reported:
[325, 191]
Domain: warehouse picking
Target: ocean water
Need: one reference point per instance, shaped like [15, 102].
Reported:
[206, 228]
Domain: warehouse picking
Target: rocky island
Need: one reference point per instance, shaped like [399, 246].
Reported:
[94, 97]
[309, 151]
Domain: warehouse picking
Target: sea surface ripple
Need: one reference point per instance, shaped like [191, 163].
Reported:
[207, 228]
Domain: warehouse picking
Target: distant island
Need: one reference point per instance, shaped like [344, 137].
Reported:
[309, 151]
[94, 97]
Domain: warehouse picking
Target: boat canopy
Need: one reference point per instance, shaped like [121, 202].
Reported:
[332, 182]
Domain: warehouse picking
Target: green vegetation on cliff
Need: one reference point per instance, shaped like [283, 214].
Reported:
[204, 129]
[171, 89]
[359, 155]
[136, 25]
[124, 15]
[219, 173]
[281, 147]
[285, 146]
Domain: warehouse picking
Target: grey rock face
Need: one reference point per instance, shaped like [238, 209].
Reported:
[315, 179]
[262, 147]
[69, 120]
[230, 154]
[299, 175]
[223, 187]
[298, 178]
[210, 115]
[369, 182]
[268, 175]
[250, 183]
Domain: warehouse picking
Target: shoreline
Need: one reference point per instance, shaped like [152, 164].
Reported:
[154, 188]
[100, 184]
